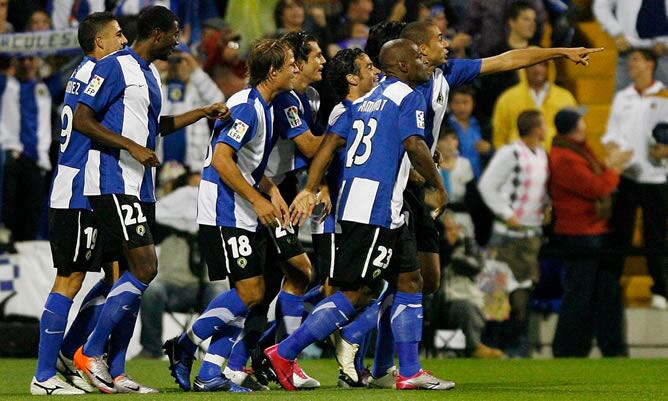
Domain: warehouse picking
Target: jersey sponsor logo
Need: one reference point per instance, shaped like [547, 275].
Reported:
[419, 118]
[293, 116]
[94, 85]
[238, 130]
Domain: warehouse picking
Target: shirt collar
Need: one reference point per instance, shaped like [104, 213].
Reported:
[143, 63]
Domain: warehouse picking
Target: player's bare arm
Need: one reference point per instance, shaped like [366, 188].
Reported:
[84, 121]
[223, 162]
[215, 111]
[423, 163]
[268, 187]
[520, 58]
[303, 205]
[308, 144]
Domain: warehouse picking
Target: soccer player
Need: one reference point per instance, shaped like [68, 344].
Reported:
[231, 212]
[120, 111]
[386, 138]
[72, 229]
[294, 128]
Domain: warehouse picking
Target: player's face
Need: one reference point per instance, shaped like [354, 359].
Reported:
[286, 75]
[312, 68]
[167, 42]
[368, 74]
[436, 47]
[111, 38]
[418, 67]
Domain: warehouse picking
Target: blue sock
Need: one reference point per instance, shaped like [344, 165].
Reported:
[117, 307]
[355, 331]
[407, 331]
[51, 331]
[384, 353]
[289, 311]
[220, 348]
[226, 309]
[86, 318]
[327, 316]
[314, 295]
[268, 337]
[120, 339]
[361, 353]
[250, 335]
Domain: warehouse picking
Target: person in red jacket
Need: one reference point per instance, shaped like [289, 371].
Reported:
[580, 188]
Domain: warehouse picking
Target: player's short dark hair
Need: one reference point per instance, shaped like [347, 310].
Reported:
[416, 31]
[154, 18]
[528, 120]
[648, 55]
[278, 10]
[380, 34]
[90, 27]
[342, 64]
[300, 43]
[463, 90]
[265, 54]
[515, 9]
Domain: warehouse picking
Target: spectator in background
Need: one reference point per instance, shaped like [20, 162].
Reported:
[26, 141]
[5, 26]
[468, 129]
[379, 34]
[435, 11]
[187, 87]
[221, 57]
[354, 12]
[538, 92]
[514, 187]
[292, 16]
[39, 21]
[642, 183]
[635, 24]
[581, 188]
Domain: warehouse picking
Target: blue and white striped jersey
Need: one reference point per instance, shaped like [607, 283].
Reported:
[125, 93]
[9, 109]
[249, 133]
[67, 188]
[445, 77]
[339, 123]
[376, 170]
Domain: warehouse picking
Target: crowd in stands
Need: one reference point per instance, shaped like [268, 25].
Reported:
[515, 159]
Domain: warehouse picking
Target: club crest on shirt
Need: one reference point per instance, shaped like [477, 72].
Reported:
[419, 118]
[238, 130]
[94, 85]
[293, 116]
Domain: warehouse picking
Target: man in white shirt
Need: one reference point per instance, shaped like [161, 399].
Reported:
[642, 184]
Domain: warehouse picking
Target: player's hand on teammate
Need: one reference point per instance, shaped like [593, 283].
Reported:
[325, 199]
[144, 155]
[302, 207]
[267, 212]
[218, 111]
[278, 202]
[580, 55]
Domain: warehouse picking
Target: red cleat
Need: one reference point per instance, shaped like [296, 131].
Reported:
[282, 368]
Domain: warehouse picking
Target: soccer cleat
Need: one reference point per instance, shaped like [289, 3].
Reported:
[65, 367]
[244, 379]
[219, 383]
[124, 384]
[53, 386]
[423, 380]
[345, 356]
[346, 382]
[301, 380]
[95, 368]
[180, 362]
[281, 368]
[388, 380]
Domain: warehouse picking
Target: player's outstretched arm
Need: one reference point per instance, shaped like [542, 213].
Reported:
[303, 205]
[520, 58]
[169, 124]
[84, 121]
[423, 163]
[308, 144]
[223, 162]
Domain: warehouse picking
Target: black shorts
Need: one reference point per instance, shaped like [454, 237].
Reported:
[421, 222]
[123, 219]
[232, 252]
[324, 247]
[73, 236]
[286, 242]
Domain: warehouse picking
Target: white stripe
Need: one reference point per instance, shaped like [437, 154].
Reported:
[120, 216]
[291, 323]
[76, 250]
[360, 201]
[193, 337]
[215, 359]
[368, 255]
[61, 194]
[227, 261]
[223, 314]
[92, 179]
[207, 199]
[125, 287]
[93, 302]
[332, 255]
[326, 305]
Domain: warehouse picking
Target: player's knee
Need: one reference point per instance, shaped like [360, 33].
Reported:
[68, 285]
[432, 285]
[410, 282]
[251, 291]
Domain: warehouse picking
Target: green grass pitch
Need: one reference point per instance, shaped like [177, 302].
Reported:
[516, 380]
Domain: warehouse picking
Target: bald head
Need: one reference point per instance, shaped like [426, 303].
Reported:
[396, 51]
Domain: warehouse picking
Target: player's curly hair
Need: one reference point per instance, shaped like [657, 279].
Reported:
[90, 27]
[154, 18]
[265, 54]
[380, 34]
[342, 64]
[300, 43]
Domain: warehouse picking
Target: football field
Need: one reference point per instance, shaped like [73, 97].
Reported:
[517, 380]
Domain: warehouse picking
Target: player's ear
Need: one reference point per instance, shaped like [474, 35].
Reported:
[353, 79]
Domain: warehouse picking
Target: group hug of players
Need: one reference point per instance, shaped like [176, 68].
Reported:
[375, 240]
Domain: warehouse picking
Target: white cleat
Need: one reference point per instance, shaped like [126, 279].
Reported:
[65, 367]
[301, 380]
[345, 356]
[243, 379]
[388, 380]
[659, 302]
[423, 380]
[124, 384]
[53, 386]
